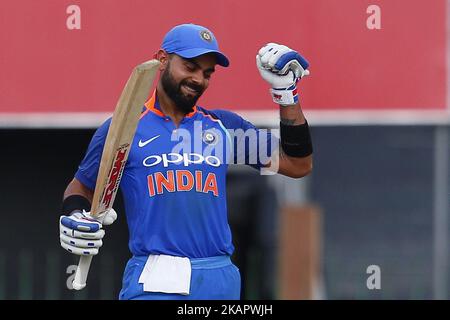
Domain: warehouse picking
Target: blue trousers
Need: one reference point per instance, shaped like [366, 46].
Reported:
[213, 278]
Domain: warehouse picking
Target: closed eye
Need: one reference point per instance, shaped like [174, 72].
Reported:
[192, 66]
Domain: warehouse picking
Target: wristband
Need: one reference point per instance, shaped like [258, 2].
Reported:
[75, 202]
[296, 140]
[287, 96]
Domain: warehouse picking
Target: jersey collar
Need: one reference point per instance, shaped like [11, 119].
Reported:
[153, 105]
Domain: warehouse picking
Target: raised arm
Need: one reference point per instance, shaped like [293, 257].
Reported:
[282, 68]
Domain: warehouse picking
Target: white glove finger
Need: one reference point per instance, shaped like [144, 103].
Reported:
[265, 73]
[267, 52]
[276, 54]
[266, 48]
[274, 79]
[265, 58]
[80, 243]
[89, 235]
[80, 234]
[258, 62]
[79, 251]
[263, 70]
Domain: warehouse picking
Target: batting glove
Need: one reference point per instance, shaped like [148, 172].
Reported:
[82, 234]
[282, 68]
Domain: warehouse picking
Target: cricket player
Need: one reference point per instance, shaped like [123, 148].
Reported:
[173, 183]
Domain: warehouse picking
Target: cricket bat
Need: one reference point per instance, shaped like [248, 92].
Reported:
[117, 147]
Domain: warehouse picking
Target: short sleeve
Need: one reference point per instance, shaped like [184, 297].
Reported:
[251, 146]
[88, 169]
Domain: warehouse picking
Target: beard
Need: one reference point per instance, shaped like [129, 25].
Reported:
[173, 90]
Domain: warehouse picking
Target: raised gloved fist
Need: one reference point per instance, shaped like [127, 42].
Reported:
[82, 234]
[281, 67]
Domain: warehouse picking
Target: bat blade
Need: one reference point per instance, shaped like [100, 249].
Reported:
[117, 147]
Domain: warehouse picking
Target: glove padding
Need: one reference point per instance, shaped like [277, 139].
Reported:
[280, 59]
[82, 234]
[281, 67]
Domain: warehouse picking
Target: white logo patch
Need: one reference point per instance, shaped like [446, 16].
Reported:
[144, 143]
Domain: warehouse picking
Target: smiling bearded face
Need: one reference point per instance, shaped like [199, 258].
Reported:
[185, 101]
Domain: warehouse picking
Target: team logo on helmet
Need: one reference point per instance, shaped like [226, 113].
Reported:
[206, 35]
[210, 137]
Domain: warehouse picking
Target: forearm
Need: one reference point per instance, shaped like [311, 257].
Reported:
[296, 147]
[76, 198]
[294, 132]
[292, 115]
[75, 187]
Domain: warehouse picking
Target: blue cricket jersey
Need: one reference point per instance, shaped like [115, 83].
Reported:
[174, 181]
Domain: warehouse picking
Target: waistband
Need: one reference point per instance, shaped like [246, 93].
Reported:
[199, 263]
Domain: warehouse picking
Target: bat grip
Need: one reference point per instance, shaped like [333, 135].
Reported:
[79, 282]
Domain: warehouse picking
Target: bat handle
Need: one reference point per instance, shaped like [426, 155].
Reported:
[79, 282]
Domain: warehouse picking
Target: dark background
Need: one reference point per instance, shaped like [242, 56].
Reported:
[374, 185]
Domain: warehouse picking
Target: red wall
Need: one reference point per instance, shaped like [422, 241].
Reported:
[46, 67]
